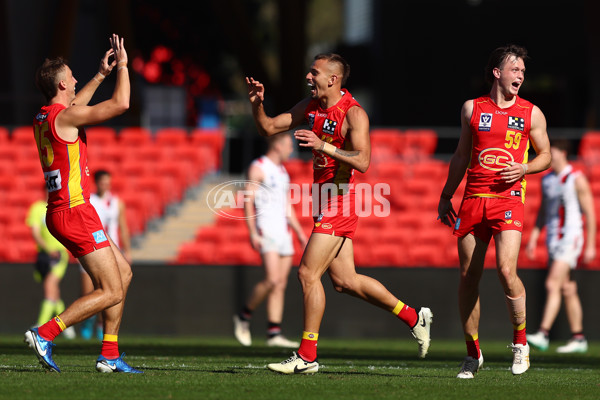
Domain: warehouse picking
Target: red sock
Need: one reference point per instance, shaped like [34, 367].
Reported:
[473, 347]
[110, 347]
[51, 329]
[519, 335]
[407, 314]
[308, 346]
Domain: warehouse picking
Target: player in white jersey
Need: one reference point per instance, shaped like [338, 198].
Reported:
[566, 198]
[270, 216]
[111, 211]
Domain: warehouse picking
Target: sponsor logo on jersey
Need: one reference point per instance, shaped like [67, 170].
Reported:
[41, 117]
[509, 221]
[495, 159]
[485, 122]
[311, 120]
[518, 224]
[53, 180]
[517, 123]
[329, 126]
[507, 215]
[327, 226]
[515, 193]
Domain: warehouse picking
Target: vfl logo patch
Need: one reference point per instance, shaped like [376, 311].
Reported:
[485, 122]
[515, 193]
[516, 123]
[457, 224]
[329, 126]
[508, 215]
[99, 236]
[41, 117]
[311, 120]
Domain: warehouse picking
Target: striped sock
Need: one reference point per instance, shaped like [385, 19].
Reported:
[52, 328]
[473, 345]
[110, 347]
[407, 314]
[273, 329]
[520, 334]
[308, 346]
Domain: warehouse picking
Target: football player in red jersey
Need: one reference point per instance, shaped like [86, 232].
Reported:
[71, 218]
[496, 130]
[339, 139]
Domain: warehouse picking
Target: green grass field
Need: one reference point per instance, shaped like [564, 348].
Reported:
[219, 368]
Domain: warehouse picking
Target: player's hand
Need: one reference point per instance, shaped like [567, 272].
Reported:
[105, 66]
[446, 213]
[514, 172]
[308, 139]
[118, 47]
[256, 241]
[530, 250]
[256, 91]
[303, 240]
[589, 254]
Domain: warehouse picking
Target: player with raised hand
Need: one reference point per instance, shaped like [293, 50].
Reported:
[62, 144]
[338, 135]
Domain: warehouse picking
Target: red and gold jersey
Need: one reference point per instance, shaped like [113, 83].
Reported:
[64, 163]
[500, 135]
[327, 125]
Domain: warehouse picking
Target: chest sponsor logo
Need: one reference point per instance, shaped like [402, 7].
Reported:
[517, 123]
[485, 122]
[495, 159]
[311, 120]
[329, 126]
[53, 180]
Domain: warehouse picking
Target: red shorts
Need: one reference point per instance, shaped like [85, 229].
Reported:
[487, 216]
[337, 217]
[79, 229]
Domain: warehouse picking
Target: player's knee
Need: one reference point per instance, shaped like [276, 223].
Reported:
[507, 274]
[569, 289]
[305, 275]
[552, 285]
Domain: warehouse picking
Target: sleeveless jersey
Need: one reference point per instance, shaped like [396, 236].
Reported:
[327, 125]
[107, 208]
[563, 212]
[500, 135]
[271, 203]
[64, 163]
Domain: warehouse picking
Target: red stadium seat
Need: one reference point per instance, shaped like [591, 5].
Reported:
[589, 147]
[172, 137]
[134, 136]
[215, 138]
[387, 141]
[100, 136]
[4, 138]
[420, 143]
[23, 135]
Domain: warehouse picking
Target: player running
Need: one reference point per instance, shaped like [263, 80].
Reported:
[495, 133]
[339, 139]
[62, 146]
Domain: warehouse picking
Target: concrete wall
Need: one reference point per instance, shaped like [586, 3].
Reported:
[200, 300]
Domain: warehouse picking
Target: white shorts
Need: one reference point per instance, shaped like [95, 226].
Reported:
[567, 249]
[280, 243]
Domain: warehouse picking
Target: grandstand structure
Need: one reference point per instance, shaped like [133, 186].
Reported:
[174, 169]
